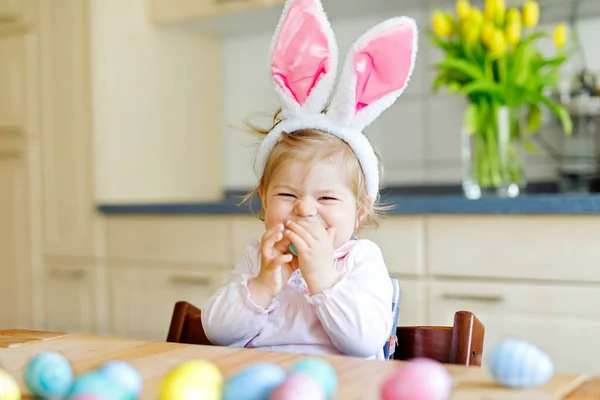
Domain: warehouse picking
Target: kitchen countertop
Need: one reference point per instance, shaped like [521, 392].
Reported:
[553, 204]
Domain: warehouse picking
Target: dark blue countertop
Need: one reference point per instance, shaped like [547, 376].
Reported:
[555, 204]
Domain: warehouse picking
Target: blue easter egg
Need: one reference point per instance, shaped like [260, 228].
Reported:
[520, 364]
[124, 374]
[48, 374]
[320, 370]
[100, 385]
[255, 382]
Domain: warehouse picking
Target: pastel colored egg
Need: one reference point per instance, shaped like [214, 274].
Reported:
[418, 378]
[299, 386]
[321, 371]
[124, 374]
[48, 374]
[203, 372]
[293, 249]
[180, 387]
[9, 390]
[98, 385]
[519, 364]
[255, 382]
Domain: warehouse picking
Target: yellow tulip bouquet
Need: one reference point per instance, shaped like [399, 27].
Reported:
[491, 59]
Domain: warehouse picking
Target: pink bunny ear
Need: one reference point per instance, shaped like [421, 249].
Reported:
[303, 57]
[376, 73]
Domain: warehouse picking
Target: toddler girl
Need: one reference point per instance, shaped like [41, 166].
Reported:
[310, 285]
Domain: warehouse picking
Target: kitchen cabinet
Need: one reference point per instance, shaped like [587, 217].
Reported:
[15, 293]
[72, 227]
[70, 295]
[142, 295]
[168, 11]
[12, 81]
[563, 320]
[10, 10]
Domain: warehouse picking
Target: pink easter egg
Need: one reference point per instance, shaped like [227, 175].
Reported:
[298, 387]
[419, 378]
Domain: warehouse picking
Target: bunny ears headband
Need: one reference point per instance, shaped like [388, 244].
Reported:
[304, 60]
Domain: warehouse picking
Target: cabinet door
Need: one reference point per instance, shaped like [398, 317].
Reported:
[564, 321]
[9, 10]
[71, 223]
[412, 302]
[15, 293]
[69, 296]
[179, 10]
[143, 297]
[12, 82]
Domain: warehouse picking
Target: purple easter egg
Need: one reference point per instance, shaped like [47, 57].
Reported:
[419, 378]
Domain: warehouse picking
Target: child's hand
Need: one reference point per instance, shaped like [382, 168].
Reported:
[315, 253]
[275, 269]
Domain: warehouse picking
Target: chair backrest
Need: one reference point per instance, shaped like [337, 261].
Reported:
[186, 325]
[461, 343]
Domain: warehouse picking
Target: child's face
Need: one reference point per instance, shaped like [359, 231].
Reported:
[321, 194]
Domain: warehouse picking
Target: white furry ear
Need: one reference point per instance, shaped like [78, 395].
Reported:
[376, 72]
[303, 58]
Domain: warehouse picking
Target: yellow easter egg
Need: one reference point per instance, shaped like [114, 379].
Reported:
[9, 390]
[183, 384]
[201, 370]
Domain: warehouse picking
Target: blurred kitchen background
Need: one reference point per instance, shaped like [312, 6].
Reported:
[121, 166]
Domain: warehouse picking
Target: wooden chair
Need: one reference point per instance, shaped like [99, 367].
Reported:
[459, 344]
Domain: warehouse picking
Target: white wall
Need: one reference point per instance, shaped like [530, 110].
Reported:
[418, 137]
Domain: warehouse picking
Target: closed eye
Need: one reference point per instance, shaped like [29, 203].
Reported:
[328, 198]
[286, 195]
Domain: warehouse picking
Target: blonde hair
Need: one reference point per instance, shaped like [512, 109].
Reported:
[310, 145]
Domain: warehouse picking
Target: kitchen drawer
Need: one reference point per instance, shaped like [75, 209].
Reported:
[401, 242]
[244, 230]
[412, 303]
[563, 320]
[143, 297]
[525, 247]
[169, 238]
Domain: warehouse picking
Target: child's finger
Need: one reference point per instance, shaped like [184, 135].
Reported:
[283, 244]
[279, 261]
[300, 244]
[271, 237]
[301, 231]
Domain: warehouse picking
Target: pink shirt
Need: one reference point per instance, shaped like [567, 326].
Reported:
[354, 317]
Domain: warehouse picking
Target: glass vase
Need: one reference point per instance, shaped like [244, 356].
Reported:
[492, 155]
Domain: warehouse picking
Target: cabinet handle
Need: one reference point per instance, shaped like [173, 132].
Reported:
[484, 298]
[190, 280]
[72, 274]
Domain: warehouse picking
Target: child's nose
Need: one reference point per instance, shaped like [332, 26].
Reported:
[305, 208]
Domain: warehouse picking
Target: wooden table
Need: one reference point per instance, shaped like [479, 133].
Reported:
[359, 379]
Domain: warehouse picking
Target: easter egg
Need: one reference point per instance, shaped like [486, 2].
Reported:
[519, 364]
[124, 374]
[98, 385]
[204, 372]
[418, 378]
[255, 382]
[293, 249]
[197, 379]
[299, 386]
[48, 375]
[321, 371]
[9, 390]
